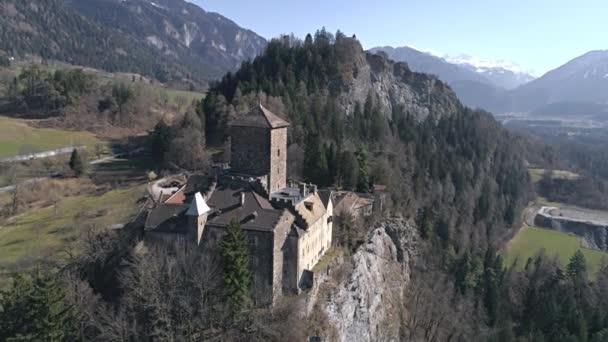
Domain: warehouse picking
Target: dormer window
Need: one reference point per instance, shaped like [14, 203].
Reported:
[309, 205]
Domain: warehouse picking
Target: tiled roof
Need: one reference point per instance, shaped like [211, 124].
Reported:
[260, 117]
[352, 201]
[311, 209]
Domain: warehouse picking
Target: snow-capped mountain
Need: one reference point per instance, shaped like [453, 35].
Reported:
[503, 74]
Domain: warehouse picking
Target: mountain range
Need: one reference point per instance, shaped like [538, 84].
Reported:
[170, 40]
[179, 43]
[579, 87]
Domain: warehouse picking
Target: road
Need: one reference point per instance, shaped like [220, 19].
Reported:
[93, 162]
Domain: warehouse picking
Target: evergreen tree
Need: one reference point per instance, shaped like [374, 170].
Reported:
[348, 170]
[363, 173]
[577, 267]
[315, 162]
[76, 164]
[237, 276]
[33, 308]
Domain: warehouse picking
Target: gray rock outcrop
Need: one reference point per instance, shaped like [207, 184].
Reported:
[392, 84]
[367, 304]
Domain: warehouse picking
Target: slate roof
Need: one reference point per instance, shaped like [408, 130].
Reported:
[256, 212]
[325, 197]
[260, 117]
[168, 218]
[197, 183]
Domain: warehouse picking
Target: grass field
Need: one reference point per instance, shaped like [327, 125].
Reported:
[17, 137]
[537, 174]
[43, 234]
[530, 240]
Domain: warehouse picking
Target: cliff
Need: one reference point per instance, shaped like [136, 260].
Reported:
[394, 84]
[366, 303]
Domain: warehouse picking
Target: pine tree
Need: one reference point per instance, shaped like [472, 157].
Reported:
[315, 162]
[577, 267]
[33, 309]
[363, 174]
[76, 164]
[237, 276]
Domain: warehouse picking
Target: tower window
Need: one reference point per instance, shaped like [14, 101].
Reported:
[279, 152]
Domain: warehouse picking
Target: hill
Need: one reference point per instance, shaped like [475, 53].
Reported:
[170, 41]
[583, 80]
[402, 128]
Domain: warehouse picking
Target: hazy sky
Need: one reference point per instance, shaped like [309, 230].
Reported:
[539, 35]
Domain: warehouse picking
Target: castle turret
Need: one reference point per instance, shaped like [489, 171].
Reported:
[259, 147]
[197, 213]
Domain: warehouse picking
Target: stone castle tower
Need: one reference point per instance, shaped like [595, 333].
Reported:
[259, 147]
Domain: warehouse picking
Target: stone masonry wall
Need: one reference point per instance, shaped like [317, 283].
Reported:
[282, 264]
[260, 245]
[250, 150]
[278, 159]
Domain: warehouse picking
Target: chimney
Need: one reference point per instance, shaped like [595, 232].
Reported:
[303, 189]
[242, 199]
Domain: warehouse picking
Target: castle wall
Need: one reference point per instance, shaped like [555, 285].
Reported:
[284, 266]
[278, 159]
[261, 260]
[250, 150]
[315, 243]
[160, 240]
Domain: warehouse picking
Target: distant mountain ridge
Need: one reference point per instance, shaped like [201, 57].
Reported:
[477, 86]
[207, 42]
[583, 80]
[461, 68]
[501, 74]
[170, 40]
[579, 87]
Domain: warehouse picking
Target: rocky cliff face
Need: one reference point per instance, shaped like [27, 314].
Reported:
[593, 236]
[395, 84]
[366, 304]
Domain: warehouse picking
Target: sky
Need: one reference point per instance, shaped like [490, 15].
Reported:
[538, 35]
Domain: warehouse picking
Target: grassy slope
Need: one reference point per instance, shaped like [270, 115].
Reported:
[43, 233]
[537, 174]
[530, 240]
[16, 137]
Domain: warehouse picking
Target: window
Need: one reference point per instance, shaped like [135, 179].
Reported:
[279, 152]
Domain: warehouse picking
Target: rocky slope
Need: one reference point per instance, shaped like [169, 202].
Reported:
[478, 84]
[395, 84]
[366, 305]
[208, 43]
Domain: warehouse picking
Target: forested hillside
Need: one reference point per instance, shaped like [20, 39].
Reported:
[455, 178]
[455, 167]
[112, 36]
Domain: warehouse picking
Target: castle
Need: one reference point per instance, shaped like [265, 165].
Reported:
[288, 226]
